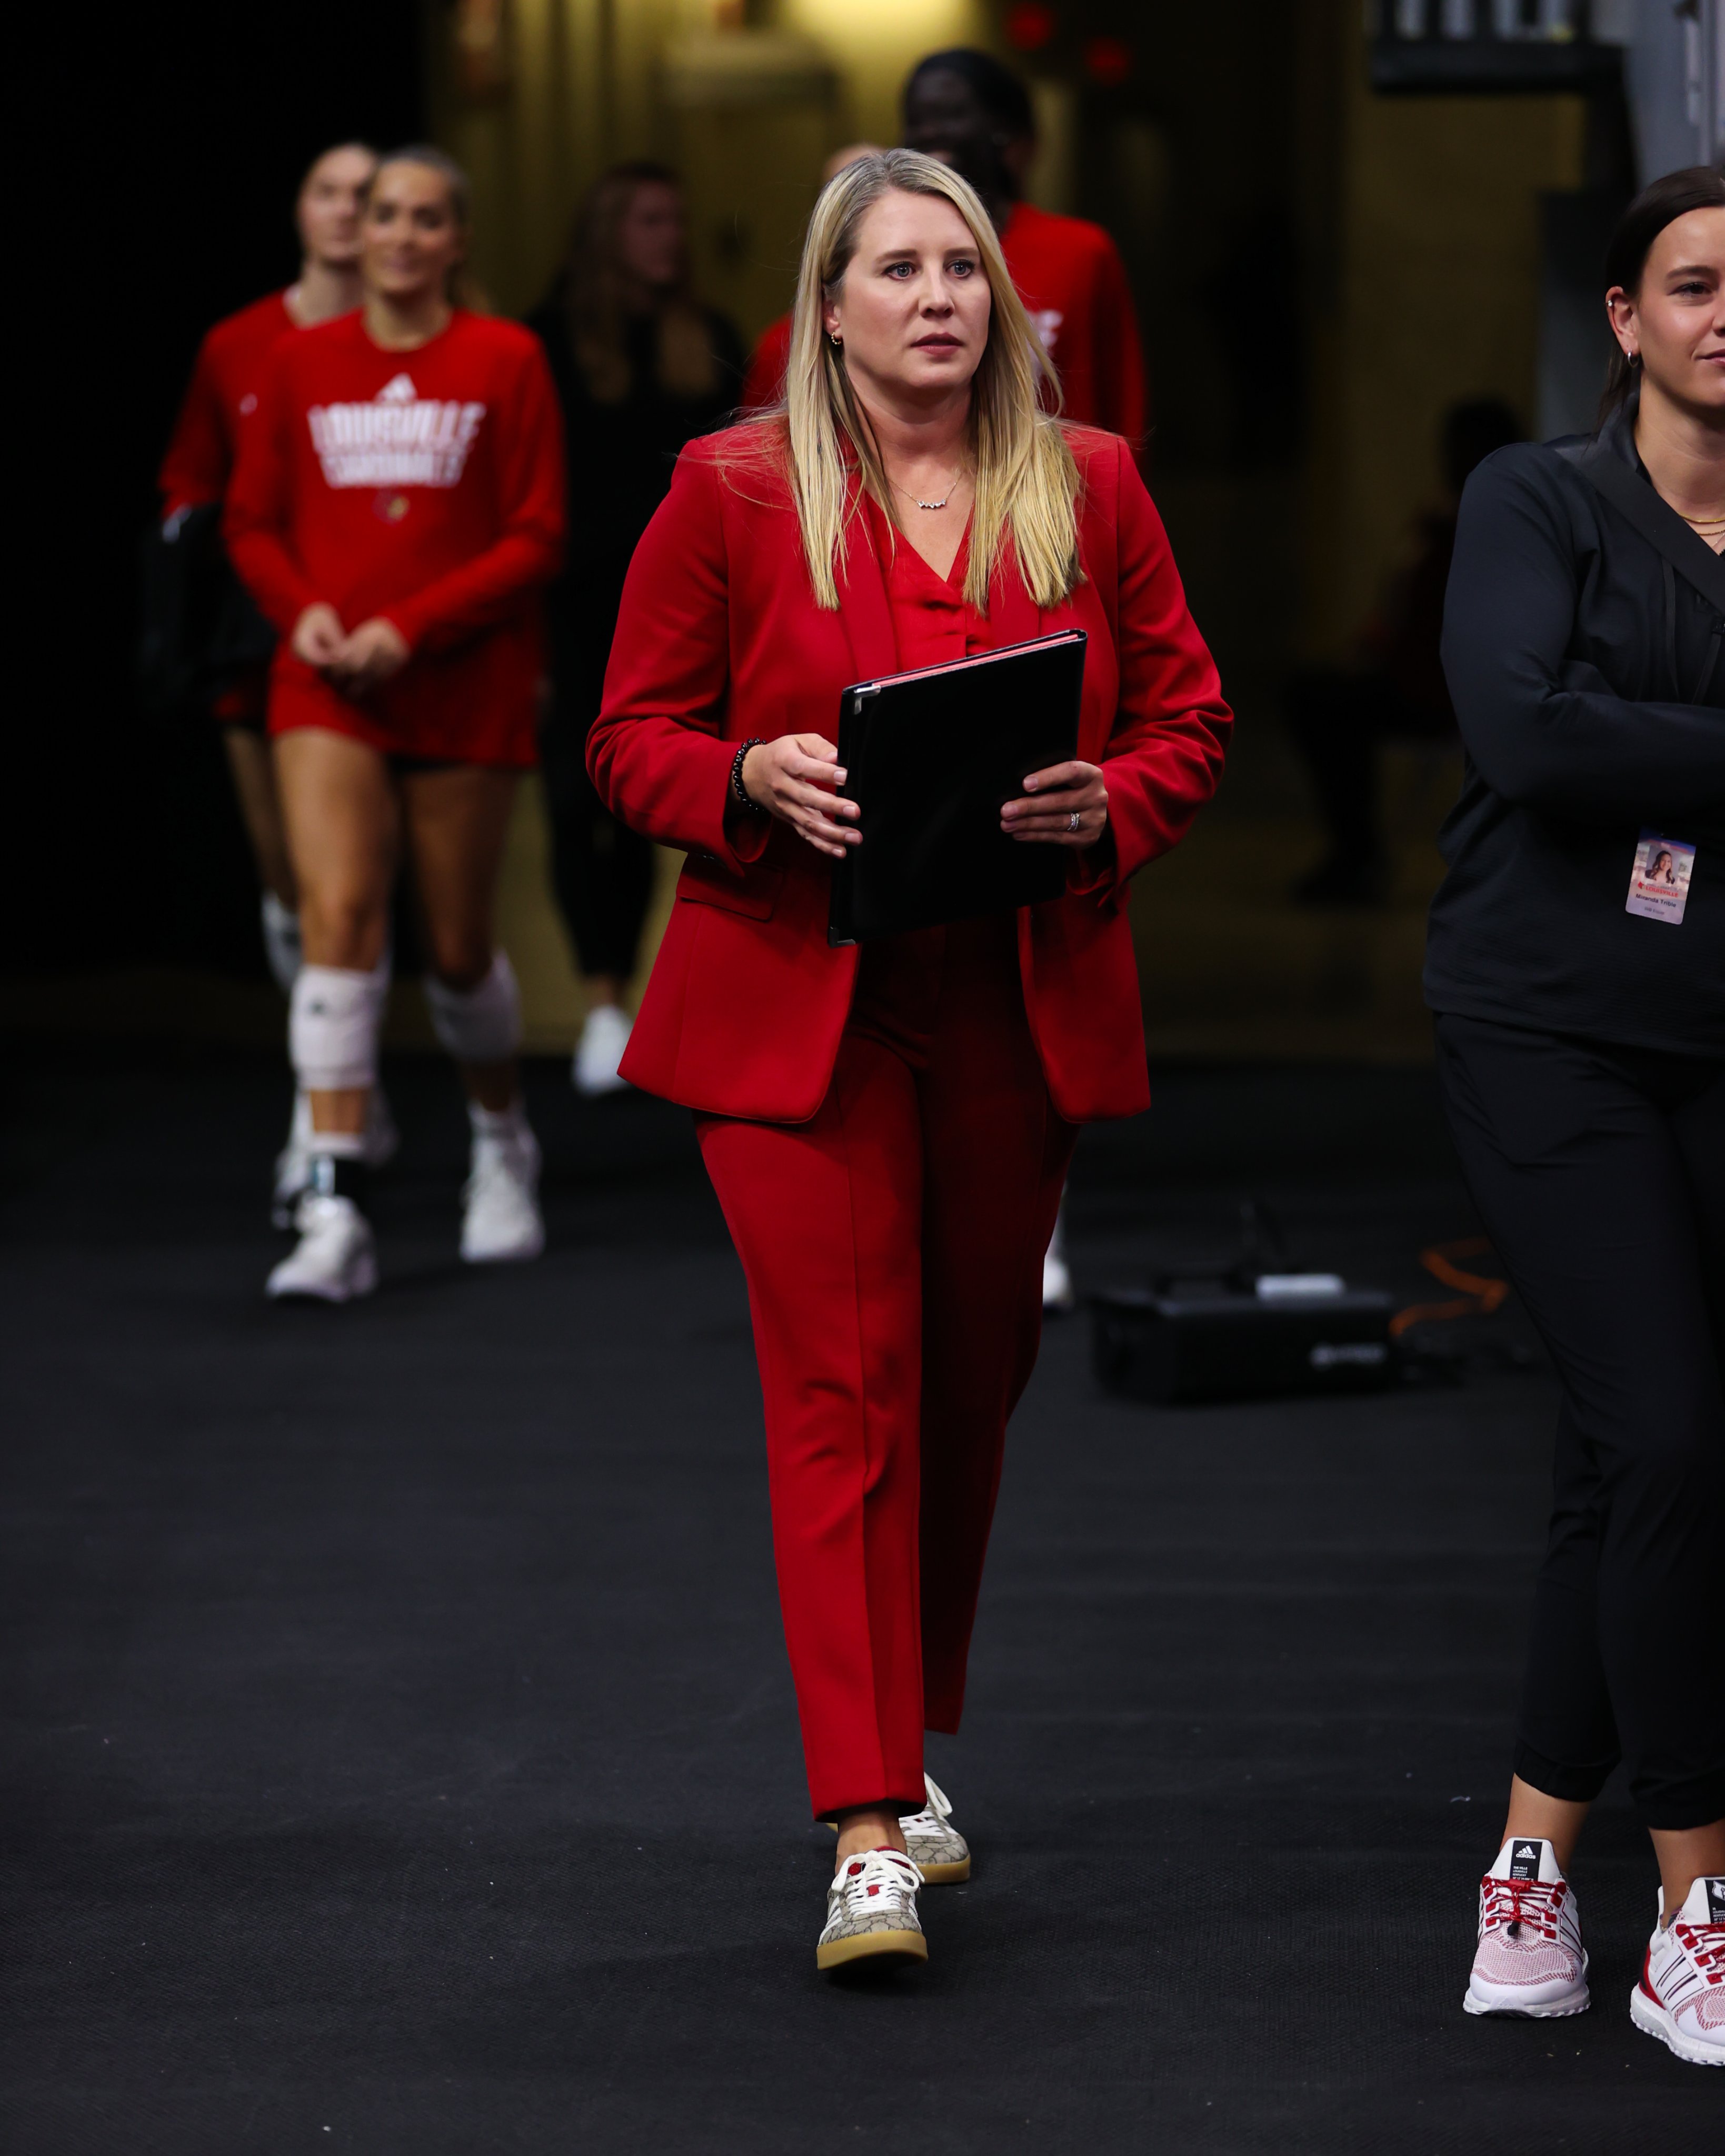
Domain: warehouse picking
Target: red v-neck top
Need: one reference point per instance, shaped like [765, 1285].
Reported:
[932, 623]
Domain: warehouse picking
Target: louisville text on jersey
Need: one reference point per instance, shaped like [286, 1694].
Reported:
[400, 438]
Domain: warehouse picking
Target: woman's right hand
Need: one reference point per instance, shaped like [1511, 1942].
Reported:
[795, 778]
[318, 634]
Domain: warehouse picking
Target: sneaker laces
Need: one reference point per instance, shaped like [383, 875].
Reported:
[861, 1879]
[1508, 1903]
[936, 1812]
[1705, 1945]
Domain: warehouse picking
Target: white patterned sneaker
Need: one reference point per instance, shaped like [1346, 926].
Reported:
[872, 1911]
[936, 1847]
[1530, 1960]
[1681, 1997]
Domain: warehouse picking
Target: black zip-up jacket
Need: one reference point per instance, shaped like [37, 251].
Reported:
[1589, 686]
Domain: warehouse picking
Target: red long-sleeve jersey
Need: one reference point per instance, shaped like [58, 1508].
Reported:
[425, 486]
[220, 398]
[1070, 275]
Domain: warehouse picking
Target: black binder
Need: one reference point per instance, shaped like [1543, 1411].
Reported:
[930, 758]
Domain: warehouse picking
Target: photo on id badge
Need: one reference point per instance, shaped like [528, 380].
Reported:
[1659, 881]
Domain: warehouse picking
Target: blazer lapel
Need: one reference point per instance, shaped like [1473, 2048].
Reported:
[863, 606]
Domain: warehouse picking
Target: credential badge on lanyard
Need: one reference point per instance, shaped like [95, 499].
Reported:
[1659, 881]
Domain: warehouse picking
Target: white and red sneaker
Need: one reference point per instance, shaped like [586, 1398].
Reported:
[1530, 1960]
[1681, 1997]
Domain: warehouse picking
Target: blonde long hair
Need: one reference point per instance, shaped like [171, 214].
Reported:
[1026, 481]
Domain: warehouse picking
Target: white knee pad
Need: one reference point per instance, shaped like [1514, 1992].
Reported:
[481, 1025]
[334, 1019]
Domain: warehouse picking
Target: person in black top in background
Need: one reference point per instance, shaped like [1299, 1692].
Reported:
[641, 367]
[1581, 1048]
[1394, 691]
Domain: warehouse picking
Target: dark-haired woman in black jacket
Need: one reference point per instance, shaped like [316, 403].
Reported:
[641, 367]
[1579, 991]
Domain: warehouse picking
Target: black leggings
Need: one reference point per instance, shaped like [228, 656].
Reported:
[603, 871]
[1599, 1172]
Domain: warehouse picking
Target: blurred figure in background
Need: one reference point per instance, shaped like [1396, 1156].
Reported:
[641, 367]
[973, 114]
[764, 383]
[398, 506]
[1394, 691]
[219, 403]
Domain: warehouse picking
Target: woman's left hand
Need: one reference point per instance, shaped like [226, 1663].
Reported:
[1067, 805]
[375, 650]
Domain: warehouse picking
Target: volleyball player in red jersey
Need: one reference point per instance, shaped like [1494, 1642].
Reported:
[219, 400]
[398, 506]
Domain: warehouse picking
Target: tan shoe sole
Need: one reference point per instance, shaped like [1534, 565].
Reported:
[944, 1875]
[897, 1946]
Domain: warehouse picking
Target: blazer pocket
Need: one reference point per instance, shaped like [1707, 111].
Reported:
[706, 883]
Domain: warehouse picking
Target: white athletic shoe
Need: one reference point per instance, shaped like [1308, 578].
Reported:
[872, 1911]
[599, 1050]
[335, 1258]
[501, 1220]
[292, 1163]
[1681, 1997]
[1530, 1960]
[1056, 1275]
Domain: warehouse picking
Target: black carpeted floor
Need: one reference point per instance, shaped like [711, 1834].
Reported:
[401, 1752]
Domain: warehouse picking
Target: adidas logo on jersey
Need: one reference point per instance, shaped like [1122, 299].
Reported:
[400, 438]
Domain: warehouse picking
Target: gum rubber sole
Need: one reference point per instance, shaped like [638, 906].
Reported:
[871, 1946]
[944, 1875]
[1651, 2022]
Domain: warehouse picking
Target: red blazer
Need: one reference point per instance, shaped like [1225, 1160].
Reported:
[720, 638]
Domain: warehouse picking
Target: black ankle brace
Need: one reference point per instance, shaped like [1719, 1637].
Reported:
[337, 1175]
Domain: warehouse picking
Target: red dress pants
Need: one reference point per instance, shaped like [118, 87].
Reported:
[893, 1248]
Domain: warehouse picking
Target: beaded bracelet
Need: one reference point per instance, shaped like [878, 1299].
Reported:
[739, 793]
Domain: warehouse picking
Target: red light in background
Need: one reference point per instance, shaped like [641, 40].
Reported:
[1030, 26]
[1108, 61]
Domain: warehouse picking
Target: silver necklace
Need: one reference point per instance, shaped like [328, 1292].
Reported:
[952, 487]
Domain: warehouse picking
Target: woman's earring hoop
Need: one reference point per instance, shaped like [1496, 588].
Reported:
[838, 341]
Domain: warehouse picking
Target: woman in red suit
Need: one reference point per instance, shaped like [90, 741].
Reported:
[888, 1127]
[398, 506]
